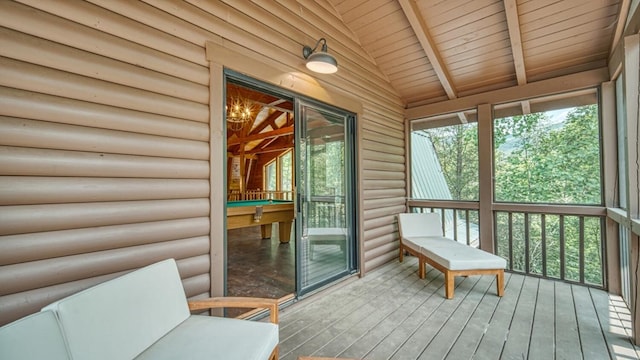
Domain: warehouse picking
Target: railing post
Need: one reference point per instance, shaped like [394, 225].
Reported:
[485, 176]
[631, 73]
[611, 185]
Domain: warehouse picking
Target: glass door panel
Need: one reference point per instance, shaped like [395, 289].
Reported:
[325, 202]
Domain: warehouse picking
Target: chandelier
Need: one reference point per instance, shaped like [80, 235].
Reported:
[239, 113]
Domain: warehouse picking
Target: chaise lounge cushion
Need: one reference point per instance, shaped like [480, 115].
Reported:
[416, 243]
[456, 256]
[419, 225]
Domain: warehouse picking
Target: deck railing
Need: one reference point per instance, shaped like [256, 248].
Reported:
[257, 194]
[549, 241]
[326, 211]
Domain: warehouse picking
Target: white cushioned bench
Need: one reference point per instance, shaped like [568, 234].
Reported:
[421, 235]
[141, 315]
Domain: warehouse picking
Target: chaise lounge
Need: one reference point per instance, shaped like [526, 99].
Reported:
[421, 235]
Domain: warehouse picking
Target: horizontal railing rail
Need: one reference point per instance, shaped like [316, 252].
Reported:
[466, 226]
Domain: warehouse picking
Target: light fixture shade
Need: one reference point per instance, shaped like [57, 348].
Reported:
[322, 62]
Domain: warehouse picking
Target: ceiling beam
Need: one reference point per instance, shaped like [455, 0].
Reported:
[513, 24]
[271, 120]
[583, 80]
[261, 136]
[280, 148]
[620, 23]
[412, 12]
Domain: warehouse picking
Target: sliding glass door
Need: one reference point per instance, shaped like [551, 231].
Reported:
[325, 202]
[292, 150]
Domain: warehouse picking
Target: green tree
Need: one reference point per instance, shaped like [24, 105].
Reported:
[559, 165]
[515, 170]
[457, 150]
[326, 184]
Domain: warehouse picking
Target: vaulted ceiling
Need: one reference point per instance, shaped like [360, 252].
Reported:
[435, 50]
[267, 129]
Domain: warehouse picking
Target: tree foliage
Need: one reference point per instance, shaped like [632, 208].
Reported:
[327, 188]
[457, 150]
[557, 165]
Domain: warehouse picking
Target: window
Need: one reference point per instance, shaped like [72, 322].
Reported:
[444, 167]
[550, 156]
[270, 176]
[327, 183]
[286, 175]
[278, 177]
[444, 159]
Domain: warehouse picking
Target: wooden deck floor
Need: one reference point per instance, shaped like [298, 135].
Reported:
[392, 314]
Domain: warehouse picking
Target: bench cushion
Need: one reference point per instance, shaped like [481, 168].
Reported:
[202, 337]
[120, 318]
[456, 256]
[37, 336]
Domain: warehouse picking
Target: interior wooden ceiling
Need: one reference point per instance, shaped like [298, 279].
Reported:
[270, 127]
[434, 50]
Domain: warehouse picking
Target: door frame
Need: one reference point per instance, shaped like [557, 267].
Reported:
[223, 54]
[350, 130]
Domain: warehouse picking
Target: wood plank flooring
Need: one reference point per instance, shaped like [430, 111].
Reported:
[392, 314]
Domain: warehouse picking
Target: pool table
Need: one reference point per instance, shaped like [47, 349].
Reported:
[247, 213]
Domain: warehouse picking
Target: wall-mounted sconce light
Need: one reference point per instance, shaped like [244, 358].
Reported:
[320, 61]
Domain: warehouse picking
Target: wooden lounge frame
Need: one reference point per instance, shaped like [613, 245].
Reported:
[449, 276]
[240, 302]
[421, 251]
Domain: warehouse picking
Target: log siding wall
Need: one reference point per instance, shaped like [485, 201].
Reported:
[105, 150]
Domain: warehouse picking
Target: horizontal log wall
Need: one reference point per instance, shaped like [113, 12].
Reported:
[287, 25]
[274, 32]
[105, 153]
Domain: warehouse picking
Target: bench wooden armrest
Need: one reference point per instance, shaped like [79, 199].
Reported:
[238, 302]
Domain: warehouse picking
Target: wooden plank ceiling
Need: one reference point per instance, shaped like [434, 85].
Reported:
[268, 127]
[433, 51]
